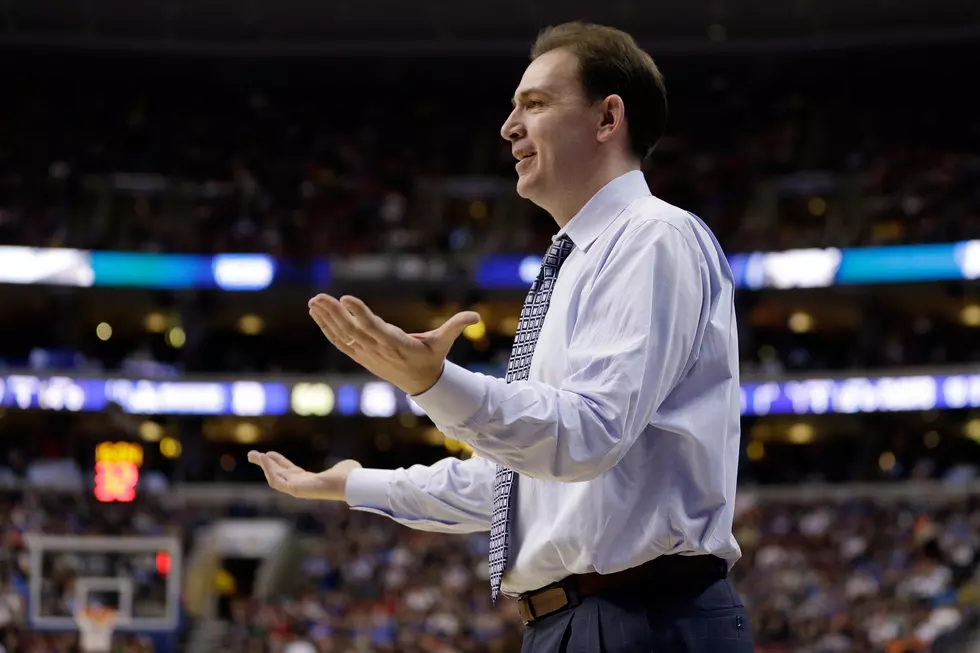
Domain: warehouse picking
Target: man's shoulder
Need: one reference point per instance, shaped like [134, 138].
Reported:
[652, 209]
[650, 217]
[650, 213]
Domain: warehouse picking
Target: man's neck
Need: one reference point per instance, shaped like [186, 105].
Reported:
[580, 194]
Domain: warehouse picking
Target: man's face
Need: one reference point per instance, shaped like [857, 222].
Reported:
[552, 130]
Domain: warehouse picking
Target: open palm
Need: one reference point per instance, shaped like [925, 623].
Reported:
[285, 476]
[411, 362]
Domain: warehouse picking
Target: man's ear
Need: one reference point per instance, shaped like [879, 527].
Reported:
[612, 117]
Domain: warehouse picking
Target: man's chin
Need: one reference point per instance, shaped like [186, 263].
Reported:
[525, 187]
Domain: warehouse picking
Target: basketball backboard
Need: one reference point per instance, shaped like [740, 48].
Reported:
[137, 576]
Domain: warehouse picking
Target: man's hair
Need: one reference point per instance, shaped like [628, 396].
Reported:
[611, 63]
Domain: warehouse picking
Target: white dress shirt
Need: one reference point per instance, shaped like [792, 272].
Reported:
[626, 434]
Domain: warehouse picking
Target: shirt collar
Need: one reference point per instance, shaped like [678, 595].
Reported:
[604, 207]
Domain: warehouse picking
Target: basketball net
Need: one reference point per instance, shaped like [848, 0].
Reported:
[95, 626]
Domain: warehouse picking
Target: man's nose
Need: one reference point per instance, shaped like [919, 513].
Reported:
[512, 129]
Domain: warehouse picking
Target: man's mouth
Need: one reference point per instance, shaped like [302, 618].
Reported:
[524, 160]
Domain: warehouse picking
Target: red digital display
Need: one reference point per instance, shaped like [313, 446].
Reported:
[117, 471]
[116, 481]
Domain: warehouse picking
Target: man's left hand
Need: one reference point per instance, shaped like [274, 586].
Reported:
[410, 361]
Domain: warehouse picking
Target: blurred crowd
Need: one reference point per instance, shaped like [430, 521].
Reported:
[49, 336]
[851, 576]
[376, 586]
[857, 576]
[385, 161]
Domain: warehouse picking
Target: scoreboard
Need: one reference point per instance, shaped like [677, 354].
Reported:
[117, 471]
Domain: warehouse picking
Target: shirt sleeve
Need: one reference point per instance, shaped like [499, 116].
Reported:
[451, 496]
[635, 336]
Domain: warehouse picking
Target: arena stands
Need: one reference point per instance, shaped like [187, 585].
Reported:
[771, 157]
[860, 574]
[132, 133]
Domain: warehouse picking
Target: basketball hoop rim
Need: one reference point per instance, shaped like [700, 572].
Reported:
[100, 616]
[98, 623]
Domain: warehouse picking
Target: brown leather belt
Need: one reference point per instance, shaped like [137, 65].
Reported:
[666, 573]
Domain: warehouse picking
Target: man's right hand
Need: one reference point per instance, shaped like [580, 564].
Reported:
[284, 476]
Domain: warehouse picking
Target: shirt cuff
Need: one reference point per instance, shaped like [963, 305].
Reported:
[368, 488]
[455, 398]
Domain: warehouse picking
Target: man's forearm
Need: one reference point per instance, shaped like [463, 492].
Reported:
[451, 496]
[532, 428]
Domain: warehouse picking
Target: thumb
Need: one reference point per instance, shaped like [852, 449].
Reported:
[455, 325]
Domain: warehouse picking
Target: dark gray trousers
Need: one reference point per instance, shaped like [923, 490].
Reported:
[708, 619]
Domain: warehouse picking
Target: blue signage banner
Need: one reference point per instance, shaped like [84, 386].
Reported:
[380, 399]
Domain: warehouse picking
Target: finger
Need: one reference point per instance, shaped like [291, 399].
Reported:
[284, 462]
[316, 317]
[321, 310]
[455, 325]
[268, 468]
[274, 460]
[370, 323]
[337, 339]
[344, 322]
[316, 299]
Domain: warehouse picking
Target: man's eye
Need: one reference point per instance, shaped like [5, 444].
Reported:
[533, 104]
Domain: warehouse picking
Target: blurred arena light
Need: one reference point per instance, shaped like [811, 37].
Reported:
[886, 461]
[176, 337]
[756, 450]
[150, 431]
[456, 447]
[529, 268]
[817, 206]
[103, 331]
[970, 315]
[246, 433]
[478, 210]
[378, 400]
[243, 271]
[250, 324]
[155, 323]
[803, 268]
[931, 439]
[163, 563]
[433, 436]
[312, 399]
[800, 322]
[972, 429]
[799, 268]
[800, 433]
[476, 331]
[170, 448]
[762, 431]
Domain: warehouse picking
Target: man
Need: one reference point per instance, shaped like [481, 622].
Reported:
[607, 459]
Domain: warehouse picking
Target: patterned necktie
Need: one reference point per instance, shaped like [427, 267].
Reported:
[518, 369]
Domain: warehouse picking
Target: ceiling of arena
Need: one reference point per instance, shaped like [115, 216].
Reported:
[503, 26]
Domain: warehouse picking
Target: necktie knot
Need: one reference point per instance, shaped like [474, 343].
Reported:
[557, 252]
